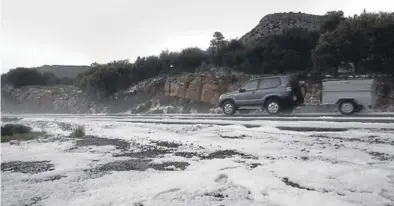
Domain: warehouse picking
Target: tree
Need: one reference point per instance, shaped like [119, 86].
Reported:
[332, 20]
[218, 40]
[106, 79]
[20, 77]
[287, 52]
[363, 40]
[170, 62]
[216, 44]
[191, 58]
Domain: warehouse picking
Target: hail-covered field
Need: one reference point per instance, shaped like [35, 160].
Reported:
[186, 161]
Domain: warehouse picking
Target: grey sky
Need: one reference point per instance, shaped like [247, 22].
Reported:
[37, 32]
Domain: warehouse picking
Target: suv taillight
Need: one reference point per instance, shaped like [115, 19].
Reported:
[288, 87]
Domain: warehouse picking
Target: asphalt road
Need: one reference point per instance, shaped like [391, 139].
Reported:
[216, 118]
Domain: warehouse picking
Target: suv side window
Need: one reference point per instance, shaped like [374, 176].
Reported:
[269, 83]
[252, 85]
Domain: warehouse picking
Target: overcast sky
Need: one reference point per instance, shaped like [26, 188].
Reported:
[79, 32]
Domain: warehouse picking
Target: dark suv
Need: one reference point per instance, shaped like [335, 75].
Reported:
[271, 93]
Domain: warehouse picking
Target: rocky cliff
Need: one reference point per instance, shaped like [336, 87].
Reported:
[276, 23]
[183, 93]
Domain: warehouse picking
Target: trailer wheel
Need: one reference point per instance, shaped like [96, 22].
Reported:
[347, 107]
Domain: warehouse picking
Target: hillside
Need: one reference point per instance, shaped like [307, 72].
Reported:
[192, 79]
[273, 24]
[62, 71]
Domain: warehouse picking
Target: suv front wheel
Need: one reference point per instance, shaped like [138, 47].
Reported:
[273, 106]
[228, 108]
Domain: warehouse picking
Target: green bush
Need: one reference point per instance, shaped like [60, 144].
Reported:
[78, 132]
[10, 129]
[18, 132]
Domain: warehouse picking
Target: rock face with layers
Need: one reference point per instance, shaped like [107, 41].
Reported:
[204, 87]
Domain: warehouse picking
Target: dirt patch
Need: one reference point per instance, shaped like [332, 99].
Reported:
[166, 144]
[381, 156]
[222, 154]
[229, 195]
[312, 129]
[27, 167]
[125, 165]
[152, 153]
[233, 137]
[186, 154]
[141, 165]
[99, 141]
[254, 165]
[216, 195]
[296, 185]
[33, 201]
[372, 139]
[170, 166]
[251, 125]
[51, 178]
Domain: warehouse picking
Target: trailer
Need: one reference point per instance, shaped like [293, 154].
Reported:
[350, 95]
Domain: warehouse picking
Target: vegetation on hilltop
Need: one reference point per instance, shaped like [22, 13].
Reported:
[20, 77]
[63, 71]
[365, 41]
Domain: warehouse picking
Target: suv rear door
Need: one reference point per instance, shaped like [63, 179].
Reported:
[247, 97]
[266, 87]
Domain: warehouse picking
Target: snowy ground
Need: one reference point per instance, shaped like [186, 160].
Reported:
[200, 162]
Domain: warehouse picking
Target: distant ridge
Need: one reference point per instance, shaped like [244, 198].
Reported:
[61, 71]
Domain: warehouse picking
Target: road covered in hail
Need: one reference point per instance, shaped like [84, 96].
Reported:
[200, 160]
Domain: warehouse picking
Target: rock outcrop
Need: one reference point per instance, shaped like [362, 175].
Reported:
[272, 24]
[204, 87]
[48, 99]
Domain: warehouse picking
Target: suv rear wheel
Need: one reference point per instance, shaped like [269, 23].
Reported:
[273, 106]
[228, 108]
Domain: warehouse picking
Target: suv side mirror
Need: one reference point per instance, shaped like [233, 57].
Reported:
[242, 90]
